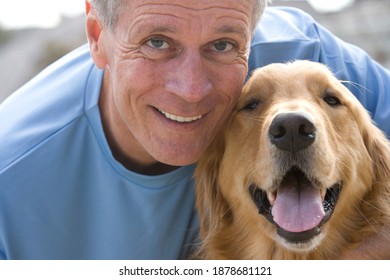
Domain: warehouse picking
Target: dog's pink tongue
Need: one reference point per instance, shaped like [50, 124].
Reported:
[298, 209]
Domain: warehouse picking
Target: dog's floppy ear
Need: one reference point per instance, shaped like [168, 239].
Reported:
[375, 142]
[211, 205]
[378, 147]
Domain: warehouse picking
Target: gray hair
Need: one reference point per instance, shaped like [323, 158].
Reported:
[108, 11]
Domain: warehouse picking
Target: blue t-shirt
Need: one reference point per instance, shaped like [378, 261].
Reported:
[64, 196]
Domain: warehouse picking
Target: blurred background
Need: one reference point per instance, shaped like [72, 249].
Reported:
[33, 34]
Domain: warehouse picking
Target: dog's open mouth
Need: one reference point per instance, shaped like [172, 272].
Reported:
[297, 208]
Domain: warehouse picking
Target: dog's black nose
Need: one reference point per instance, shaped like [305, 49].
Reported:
[292, 131]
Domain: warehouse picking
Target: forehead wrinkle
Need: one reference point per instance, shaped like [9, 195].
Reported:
[211, 5]
[230, 29]
[140, 24]
[158, 9]
[155, 27]
[144, 12]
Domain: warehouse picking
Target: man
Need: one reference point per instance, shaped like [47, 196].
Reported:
[97, 152]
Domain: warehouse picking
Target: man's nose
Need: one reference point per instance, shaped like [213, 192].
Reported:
[190, 78]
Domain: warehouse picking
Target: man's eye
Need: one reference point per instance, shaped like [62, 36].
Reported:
[222, 46]
[158, 44]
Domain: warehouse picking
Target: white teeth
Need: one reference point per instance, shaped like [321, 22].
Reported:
[271, 197]
[179, 118]
[323, 193]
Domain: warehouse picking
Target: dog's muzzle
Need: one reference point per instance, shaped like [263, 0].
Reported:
[309, 223]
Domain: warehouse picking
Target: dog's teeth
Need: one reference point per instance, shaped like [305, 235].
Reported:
[271, 197]
[323, 193]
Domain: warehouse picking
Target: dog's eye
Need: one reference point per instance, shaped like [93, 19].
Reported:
[332, 100]
[250, 106]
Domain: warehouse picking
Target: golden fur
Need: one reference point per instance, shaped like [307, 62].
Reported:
[348, 149]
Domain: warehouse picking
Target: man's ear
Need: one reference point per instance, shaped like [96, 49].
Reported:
[94, 31]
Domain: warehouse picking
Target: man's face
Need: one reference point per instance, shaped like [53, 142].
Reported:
[174, 72]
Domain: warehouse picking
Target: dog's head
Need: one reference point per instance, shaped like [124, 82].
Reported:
[295, 160]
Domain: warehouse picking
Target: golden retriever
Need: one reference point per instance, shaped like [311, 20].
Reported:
[299, 171]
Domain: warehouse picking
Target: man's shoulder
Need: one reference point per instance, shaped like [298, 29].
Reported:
[280, 24]
[49, 102]
[284, 34]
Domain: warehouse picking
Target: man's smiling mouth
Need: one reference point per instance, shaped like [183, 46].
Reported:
[180, 118]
